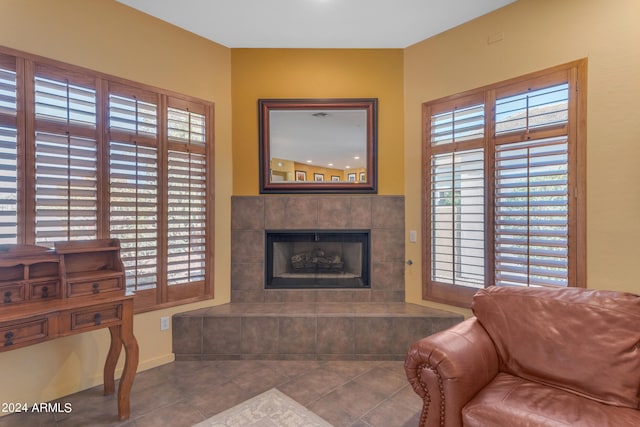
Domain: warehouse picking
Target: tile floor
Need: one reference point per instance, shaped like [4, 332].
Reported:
[183, 393]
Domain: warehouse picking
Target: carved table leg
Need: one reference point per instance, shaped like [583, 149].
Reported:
[130, 363]
[112, 360]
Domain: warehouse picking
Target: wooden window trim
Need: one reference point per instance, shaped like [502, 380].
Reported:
[26, 66]
[576, 75]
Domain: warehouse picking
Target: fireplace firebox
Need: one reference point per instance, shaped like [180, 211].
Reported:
[307, 259]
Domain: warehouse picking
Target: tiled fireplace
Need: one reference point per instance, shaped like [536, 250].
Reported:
[369, 322]
[317, 259]
[381, 218]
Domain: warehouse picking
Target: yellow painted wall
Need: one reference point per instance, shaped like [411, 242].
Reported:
[537, 34]
[108, 37]
[317, 73]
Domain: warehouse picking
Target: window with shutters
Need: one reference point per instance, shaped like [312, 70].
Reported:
[187, 195]
[8, 150]
[85, 155]
[66, 161]
[503, 176]
[133, 183]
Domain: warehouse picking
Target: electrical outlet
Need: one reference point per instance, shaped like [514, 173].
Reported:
[413, 236]
[164, 323]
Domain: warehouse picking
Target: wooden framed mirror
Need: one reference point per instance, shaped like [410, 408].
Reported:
[318, 145]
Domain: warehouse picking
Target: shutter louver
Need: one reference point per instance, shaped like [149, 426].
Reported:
[65, 102]
[66, 161]
[186, 127]
[133, 160]
[8, 185]
[66, 188]
[531, 200]
[8, 92]
[457, 218]
[132, 116]
[134, 211]
[8, 154]
[186, 217]
[531, 213]
[532, 110]
[187, 196]
[458, 125]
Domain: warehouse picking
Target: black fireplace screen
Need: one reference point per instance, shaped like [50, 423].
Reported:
[317, 259]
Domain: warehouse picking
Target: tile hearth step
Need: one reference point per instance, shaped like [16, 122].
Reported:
[325, 331]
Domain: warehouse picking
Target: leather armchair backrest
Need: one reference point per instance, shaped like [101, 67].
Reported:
[580, 340]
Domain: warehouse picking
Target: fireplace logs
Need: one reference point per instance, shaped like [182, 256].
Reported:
[312, 261]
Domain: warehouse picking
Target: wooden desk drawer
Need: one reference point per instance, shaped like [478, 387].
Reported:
[44, 290]
[100, 315]
[93, 287]
[23, 334]
[12, 293]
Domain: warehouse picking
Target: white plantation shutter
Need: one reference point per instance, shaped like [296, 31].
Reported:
[458, 124]
[133, 184]
[8, 151]
[187, 196]
[65, 158]
[457, 218]
[455, 221]
[531, 213]
[532, 187]
[66, 188]
[8, 185]
[133, 115]
[533, 110]
[187, 127]
[134, 211]
[186, 217]
[65, 102]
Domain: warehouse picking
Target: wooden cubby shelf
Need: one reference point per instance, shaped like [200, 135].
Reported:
[76, 287]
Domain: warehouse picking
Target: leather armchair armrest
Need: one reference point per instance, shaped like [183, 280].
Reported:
[448, 368]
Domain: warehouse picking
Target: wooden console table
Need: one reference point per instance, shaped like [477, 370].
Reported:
[77, 287]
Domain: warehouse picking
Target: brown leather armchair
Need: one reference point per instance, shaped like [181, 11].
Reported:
[533, 357]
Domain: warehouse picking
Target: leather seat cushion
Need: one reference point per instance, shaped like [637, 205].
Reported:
[581, 340]
[515, 402]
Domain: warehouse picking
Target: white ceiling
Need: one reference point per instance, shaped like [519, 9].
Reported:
[316, 23]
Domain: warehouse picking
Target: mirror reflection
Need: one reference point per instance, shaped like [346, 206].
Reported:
[316, 145]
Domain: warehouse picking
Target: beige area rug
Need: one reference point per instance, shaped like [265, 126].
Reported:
[269, 409]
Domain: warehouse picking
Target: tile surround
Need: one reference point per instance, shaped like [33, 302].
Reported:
[310, 324]
[305, 331]
[252, 215]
